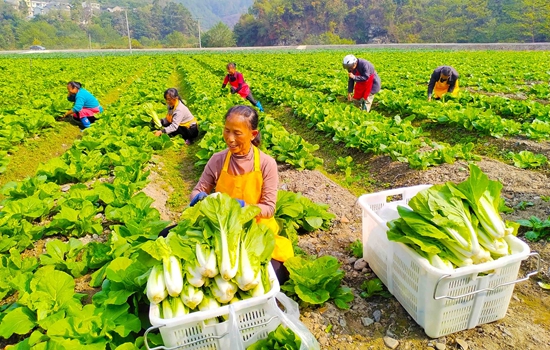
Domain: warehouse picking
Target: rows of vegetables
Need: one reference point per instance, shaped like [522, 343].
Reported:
[82, 221]
[33, 92]
[63, 288]
[315, 93]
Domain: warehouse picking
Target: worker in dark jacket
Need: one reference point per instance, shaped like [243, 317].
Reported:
[85, 107]
[363, 80]
[444, 80]
[238, 85]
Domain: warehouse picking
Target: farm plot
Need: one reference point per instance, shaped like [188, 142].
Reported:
[34, 94]
[81, 219]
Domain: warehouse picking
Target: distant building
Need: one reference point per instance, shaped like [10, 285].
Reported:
[115, 9]
[16, 4]
[60, 5]
[93, 5]
[37, 7]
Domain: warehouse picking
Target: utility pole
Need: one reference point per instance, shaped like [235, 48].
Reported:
[199, 24]
[128, 30]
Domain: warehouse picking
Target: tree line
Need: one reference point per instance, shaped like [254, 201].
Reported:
[292, 22]
[283, 22]
[153, 25]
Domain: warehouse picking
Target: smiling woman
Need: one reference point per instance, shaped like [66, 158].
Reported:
[246, 174]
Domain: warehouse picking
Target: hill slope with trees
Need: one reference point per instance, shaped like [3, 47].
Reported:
[292, 22]
[211, 12]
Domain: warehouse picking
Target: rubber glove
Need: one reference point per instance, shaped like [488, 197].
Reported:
[241, 202]
[233, 90]
[200, 196]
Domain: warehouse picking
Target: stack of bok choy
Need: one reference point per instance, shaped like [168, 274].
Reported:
[455, 225]
[216, 255]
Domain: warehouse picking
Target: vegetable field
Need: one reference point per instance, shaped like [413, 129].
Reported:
[80, 210]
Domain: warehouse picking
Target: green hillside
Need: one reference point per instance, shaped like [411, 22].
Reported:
[214, 11]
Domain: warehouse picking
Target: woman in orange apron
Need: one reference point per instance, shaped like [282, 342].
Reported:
[179, 120]
[444, 80]
[246, 174]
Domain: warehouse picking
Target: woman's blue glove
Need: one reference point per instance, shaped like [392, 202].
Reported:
[200, 196]
[241, 202]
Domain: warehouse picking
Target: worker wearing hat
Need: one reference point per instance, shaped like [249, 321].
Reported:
[363, 81]
[444, 80]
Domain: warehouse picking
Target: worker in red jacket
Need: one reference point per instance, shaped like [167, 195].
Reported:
[238, 85]
[363, 80]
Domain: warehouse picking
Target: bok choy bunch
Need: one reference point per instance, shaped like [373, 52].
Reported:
[217, 254]
[455, 224]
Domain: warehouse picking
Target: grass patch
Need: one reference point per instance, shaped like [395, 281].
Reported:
[177, 163]
[357, 181]
[32, 152]
[176, 166]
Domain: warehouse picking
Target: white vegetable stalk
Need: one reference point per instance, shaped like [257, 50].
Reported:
[156, 289]
[439, 263]
[223, 290]
[494, 226]
[245, 278]
[194, 277]
[167, 309]
[209, 303]
[178, 308]
[227, 270]
[172, 276]
[206, 259]
[191, 296]
[259, 290]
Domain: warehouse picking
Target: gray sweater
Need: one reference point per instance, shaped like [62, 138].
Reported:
[180, 115]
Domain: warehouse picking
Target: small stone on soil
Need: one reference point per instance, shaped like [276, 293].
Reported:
[344, 220]
[367, 321]
[377, 315]
[391, 343]
[360, 264]
[440, 346]
[463, 344]
[352, 260]
[342, 322]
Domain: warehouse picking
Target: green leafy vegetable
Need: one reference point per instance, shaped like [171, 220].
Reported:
[281, 338]
[538, 229]
[374, 287]
[317, 281]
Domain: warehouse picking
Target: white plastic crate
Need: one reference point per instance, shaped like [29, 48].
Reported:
[439, 301]
[247, 322]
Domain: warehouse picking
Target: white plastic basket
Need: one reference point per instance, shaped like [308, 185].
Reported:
[439, 301]
[247, 322]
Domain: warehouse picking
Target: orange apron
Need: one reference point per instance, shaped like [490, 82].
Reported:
[442, 88]
[248, 187]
